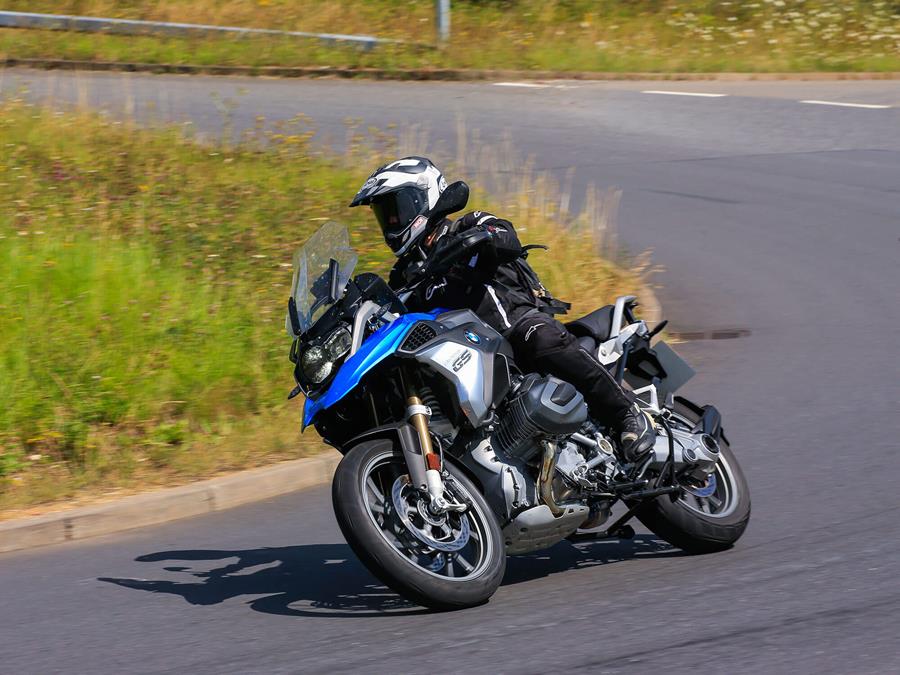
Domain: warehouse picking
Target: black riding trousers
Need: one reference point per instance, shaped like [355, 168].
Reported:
[542, 344]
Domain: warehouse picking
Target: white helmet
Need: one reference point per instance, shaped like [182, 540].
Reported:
[402, 195]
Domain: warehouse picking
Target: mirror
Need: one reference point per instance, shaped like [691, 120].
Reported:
[325, 289]
[334, 293]
[294, 317]
[454, 198]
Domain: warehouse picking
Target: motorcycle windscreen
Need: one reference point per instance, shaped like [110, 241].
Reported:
[312, 282]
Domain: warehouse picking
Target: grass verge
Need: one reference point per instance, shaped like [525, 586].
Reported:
[556, 35]
[144, 281]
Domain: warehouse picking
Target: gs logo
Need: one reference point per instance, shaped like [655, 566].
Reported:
[461, 359]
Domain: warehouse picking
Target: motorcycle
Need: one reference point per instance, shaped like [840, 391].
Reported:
[454, 458]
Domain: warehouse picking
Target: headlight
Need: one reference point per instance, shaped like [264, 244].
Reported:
[318, 361]
[338, 343]
[316, 365]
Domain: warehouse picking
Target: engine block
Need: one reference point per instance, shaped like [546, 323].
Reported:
[543, 407]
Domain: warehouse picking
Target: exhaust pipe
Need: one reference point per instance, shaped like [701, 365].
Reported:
[701, 457]
[545, 479]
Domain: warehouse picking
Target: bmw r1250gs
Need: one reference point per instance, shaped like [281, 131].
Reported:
[454, 458]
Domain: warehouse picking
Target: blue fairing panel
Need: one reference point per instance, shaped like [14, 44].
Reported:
[377, 347]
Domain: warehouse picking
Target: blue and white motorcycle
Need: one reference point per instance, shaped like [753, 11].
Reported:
[455, 458]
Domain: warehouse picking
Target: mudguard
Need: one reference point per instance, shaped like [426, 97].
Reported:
[710, 417]
[409, 443]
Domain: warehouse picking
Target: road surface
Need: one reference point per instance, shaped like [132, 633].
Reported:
[774, 208]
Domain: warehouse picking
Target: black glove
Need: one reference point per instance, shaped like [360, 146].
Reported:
[450, 250]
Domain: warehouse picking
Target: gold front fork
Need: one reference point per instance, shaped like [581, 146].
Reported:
[417, 414]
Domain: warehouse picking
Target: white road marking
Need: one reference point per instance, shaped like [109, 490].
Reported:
[849, 105]
[682, 93]
[530, 85]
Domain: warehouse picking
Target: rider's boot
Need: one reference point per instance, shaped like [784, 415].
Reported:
[636, 433]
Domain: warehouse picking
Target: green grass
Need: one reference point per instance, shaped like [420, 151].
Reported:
[142, 291]
[143, 286]
[560, 35]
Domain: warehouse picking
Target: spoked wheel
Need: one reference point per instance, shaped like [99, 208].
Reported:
[446, 544]
[704, 518]
[443, 561]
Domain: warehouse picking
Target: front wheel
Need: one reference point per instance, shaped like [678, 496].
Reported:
[703, 519]
[447, 561]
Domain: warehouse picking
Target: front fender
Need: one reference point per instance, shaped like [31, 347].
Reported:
[409, 442]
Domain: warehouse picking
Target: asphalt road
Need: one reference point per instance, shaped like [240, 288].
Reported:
[769, 214]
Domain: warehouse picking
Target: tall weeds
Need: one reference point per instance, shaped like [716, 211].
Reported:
[144, 283]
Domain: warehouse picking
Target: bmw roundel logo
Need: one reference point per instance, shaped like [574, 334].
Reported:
[474, 338]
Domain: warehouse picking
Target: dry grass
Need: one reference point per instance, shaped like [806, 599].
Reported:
[604, 35]
[583, 264]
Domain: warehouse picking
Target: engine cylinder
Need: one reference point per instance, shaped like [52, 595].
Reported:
[543, 407]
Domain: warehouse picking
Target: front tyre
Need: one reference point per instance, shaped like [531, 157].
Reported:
[707, 519]
[451, 561]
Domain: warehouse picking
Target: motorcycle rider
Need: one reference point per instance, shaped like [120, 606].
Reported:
[497, 284]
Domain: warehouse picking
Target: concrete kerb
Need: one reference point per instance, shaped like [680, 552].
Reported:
[421, 74]
[169, 504]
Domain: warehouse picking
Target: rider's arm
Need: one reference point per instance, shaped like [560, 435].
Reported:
[504, 245]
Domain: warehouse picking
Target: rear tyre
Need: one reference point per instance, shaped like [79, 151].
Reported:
[703, 524]
[446, 562]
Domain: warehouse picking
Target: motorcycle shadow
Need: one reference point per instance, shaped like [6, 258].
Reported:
[327, 580]
[309, 580]
[567, 556]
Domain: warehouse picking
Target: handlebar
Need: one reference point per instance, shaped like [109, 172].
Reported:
[447, 256]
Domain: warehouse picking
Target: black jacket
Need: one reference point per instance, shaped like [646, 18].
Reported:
[496, 282]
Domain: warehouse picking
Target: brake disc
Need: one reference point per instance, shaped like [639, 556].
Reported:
[453, 526]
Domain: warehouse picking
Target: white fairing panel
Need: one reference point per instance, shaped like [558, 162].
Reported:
[466, 368]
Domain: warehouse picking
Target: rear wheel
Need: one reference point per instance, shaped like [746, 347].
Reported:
[707, 518]
[446, 561]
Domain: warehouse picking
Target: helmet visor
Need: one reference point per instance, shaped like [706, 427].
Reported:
[395, 211]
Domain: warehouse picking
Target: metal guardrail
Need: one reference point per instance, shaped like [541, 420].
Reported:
[89, 24]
